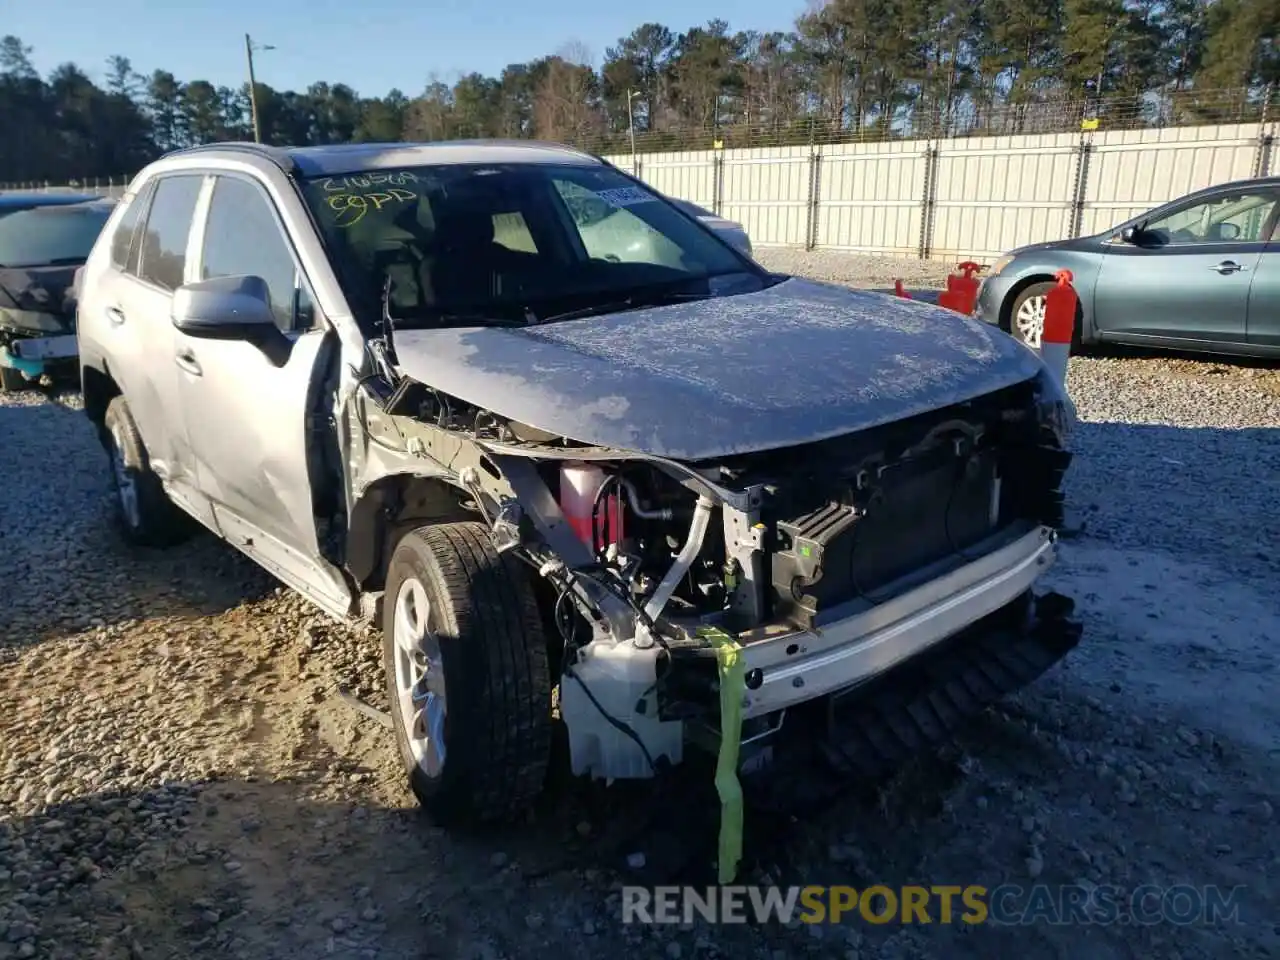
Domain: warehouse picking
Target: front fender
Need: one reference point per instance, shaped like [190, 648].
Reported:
[1044, 265]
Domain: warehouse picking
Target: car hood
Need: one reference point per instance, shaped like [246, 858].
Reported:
[795, 363]
[1077, 243]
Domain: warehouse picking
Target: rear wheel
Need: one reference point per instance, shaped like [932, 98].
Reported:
[467, 674]
[1026, 316]
[146, 514]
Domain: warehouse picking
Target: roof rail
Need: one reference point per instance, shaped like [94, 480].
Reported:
[277, 155]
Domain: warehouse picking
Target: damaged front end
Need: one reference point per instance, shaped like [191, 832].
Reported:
[830, 566]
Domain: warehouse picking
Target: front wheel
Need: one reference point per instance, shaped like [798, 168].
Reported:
[467, 672]
[1026, 316]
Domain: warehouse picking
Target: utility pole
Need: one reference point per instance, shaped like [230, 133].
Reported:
[631, 128]
[253, 90]
[253, 86]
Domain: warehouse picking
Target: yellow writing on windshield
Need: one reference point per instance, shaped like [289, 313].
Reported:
[351, 208]
[358, 182]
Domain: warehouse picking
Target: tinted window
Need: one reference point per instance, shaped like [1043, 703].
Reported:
[243, 238]
[164, 245]
[122, 239]
[50, 235]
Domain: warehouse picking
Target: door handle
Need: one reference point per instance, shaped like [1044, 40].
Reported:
[187, 361]
[115, 315]
[1228, 266]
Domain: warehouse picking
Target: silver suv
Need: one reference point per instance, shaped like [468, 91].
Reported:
[587, 465]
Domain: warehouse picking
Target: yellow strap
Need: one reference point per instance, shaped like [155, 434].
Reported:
[732, 690]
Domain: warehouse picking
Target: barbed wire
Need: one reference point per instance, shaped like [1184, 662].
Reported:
[958, 120]
[962, 118]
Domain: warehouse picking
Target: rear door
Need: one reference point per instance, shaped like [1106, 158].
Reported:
[1189, 276]
[148, 264]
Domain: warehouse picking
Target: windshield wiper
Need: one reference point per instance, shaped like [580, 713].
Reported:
[634, 302]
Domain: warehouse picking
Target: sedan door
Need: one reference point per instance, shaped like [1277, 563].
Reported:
[1186, 274]
[249, 416]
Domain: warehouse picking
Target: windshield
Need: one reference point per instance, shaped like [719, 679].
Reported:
[50, 235]
[470, 243]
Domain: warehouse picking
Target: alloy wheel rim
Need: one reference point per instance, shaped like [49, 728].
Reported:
[419, 677]
[1030, 320]
[126, 486]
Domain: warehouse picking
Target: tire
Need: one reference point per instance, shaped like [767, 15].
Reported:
[11, 381]
[1028, 332]
[479, 748]
[146, 515]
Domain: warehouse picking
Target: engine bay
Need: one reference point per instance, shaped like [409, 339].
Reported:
[645, 559]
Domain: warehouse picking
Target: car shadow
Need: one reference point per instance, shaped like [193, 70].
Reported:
[64, 563]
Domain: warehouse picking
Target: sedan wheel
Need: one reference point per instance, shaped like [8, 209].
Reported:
[1026, 315]
[1030, 321]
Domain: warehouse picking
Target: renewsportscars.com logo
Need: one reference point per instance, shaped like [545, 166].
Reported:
[1008, 904]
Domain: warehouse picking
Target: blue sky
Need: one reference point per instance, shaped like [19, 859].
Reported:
[373, 46]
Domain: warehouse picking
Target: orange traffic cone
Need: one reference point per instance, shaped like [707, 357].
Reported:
[900, 290]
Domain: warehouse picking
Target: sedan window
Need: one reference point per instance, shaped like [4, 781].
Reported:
[1231, 218]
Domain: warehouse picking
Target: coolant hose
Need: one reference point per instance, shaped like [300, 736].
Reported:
[684, 559]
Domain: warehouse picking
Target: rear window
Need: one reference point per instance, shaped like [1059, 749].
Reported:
[50, 235]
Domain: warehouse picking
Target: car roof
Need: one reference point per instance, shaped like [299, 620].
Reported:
[1269, 182]
[31, 199]
[337, 159]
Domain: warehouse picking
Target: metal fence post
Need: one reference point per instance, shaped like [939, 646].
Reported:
[717, 183]
[1081, 184]
[1262, 160]
[928, 198]
[811, 202]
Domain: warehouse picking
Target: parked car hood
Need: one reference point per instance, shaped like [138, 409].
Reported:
[1075, 243]
[795, 363]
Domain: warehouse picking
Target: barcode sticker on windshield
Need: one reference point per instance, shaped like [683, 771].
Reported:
[625, 196]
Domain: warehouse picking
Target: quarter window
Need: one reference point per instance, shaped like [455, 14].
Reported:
[124, 252]
[243, 238]
[164, 244]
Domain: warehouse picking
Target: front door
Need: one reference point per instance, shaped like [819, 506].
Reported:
[247, 418]
[1187, 275]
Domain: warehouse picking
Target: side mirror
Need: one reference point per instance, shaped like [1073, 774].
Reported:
[1228, 231]
[1130, 235]
[225, 308]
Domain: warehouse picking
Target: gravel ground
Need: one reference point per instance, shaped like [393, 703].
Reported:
[180, 782]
